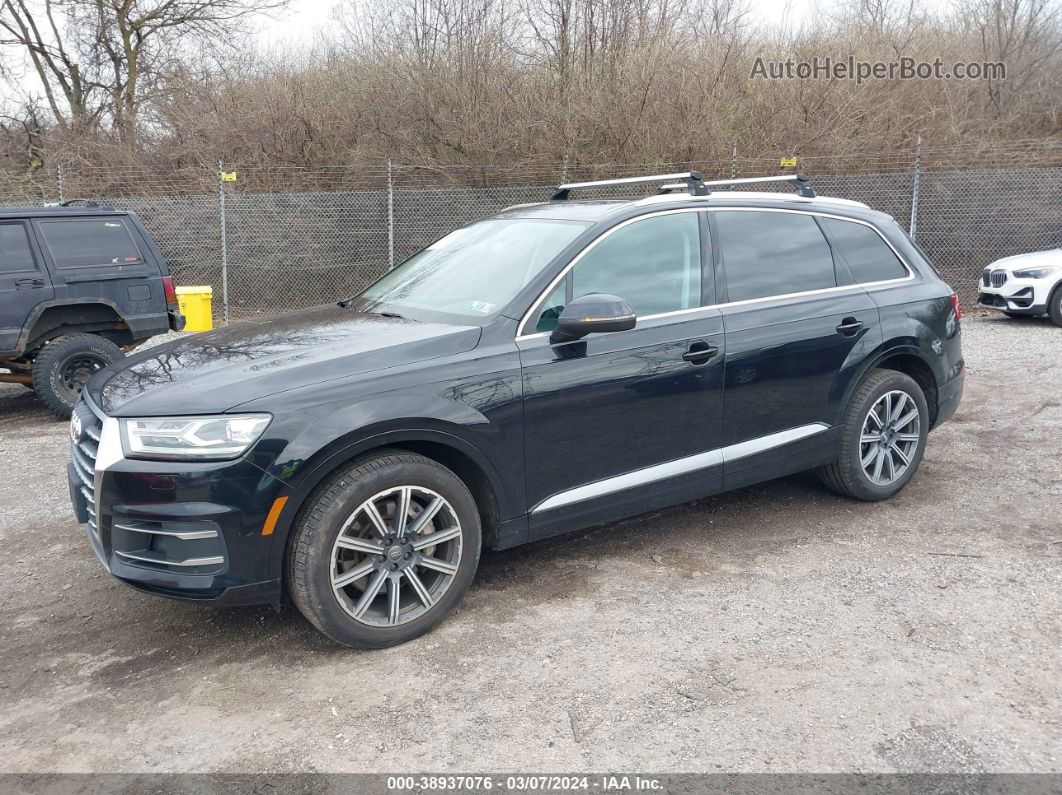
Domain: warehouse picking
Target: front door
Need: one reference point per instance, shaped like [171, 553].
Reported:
[24, 282]
[628, 421]
[797, 331]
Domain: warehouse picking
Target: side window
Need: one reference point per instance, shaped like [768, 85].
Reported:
[551, 308]
[15, 253]
[868, 256]
[90, 241]
[655, 264]
[773, 253]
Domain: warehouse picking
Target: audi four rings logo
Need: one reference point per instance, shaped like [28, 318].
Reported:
[75, 427]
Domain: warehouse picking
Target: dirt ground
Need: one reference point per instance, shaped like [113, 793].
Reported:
[777, 628]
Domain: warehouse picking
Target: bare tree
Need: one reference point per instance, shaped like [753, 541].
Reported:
[454, 85]
[97, 58]
[1026, 35]
[56, 59]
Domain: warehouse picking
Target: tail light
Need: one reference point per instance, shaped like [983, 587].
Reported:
[171, 291]
[956, 306]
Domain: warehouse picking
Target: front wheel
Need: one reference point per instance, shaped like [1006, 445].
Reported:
[64, 366]
[884, 438]
[385, 550]
[1054, 305]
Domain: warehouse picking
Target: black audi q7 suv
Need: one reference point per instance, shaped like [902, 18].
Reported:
[555, 366]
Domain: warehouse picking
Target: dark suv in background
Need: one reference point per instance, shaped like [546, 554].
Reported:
[556, 366]
[77, 284]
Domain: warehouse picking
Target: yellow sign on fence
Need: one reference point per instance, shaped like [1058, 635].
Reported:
[789, 161]
[228, 176]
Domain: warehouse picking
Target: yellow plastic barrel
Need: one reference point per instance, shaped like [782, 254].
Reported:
[195, 306]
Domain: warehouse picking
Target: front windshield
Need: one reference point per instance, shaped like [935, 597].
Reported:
[474, 271]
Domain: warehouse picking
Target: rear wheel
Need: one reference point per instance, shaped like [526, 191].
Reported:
[884, 438]
[63, 367]
[385, 550]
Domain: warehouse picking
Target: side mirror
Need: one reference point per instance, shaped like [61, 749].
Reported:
[593, 314]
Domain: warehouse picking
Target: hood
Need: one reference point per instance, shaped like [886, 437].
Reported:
[1033, 259]
[215, 371]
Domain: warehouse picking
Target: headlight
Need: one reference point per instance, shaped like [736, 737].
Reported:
[1035, 273]
[197, 438]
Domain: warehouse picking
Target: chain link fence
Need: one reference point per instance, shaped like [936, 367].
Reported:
[281, 239]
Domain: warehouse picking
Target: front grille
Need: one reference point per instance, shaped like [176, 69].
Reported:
[986, 278]
[138, 537]
[999, 278]
[83, 453]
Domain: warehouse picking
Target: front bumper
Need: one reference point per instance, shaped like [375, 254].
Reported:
[189, 531]
[1017, 296]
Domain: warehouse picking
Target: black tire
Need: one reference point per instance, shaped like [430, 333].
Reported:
[846, 475]
[62, 367]
[1054, 305]
[311, 566]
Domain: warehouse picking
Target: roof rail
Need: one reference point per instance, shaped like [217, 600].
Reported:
[691, 180]
[86, 202]
[799, 182]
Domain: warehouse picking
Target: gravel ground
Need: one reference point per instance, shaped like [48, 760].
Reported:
[777, 628]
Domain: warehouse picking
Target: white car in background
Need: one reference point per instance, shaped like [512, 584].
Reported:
[1025, 284]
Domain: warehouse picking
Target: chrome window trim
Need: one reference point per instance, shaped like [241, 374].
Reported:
[680, 466]
[520, 335]
[587, 249]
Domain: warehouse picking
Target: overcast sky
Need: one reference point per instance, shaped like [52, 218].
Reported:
[304, 17]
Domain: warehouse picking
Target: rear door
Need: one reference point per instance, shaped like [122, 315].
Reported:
[103, 258]
[797, 331]
[24, 282]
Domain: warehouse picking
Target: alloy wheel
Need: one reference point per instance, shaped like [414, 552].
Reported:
[890, 435]
[395, 556]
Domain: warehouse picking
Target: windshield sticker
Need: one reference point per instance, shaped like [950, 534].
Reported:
[479, 306]
[112, 225]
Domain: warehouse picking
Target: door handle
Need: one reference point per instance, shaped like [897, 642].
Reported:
[850, 327]
[700, 352]
[31, 283]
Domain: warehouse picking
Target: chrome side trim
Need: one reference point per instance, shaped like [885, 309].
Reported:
[639, 477]
[190, 535]
[763, 443]
[213, 561]
[681, 466]
[520, 329]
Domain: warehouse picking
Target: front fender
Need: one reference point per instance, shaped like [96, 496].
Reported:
[326, 443]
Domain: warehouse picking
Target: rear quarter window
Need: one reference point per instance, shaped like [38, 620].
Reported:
[867, 254]
[86, 242]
